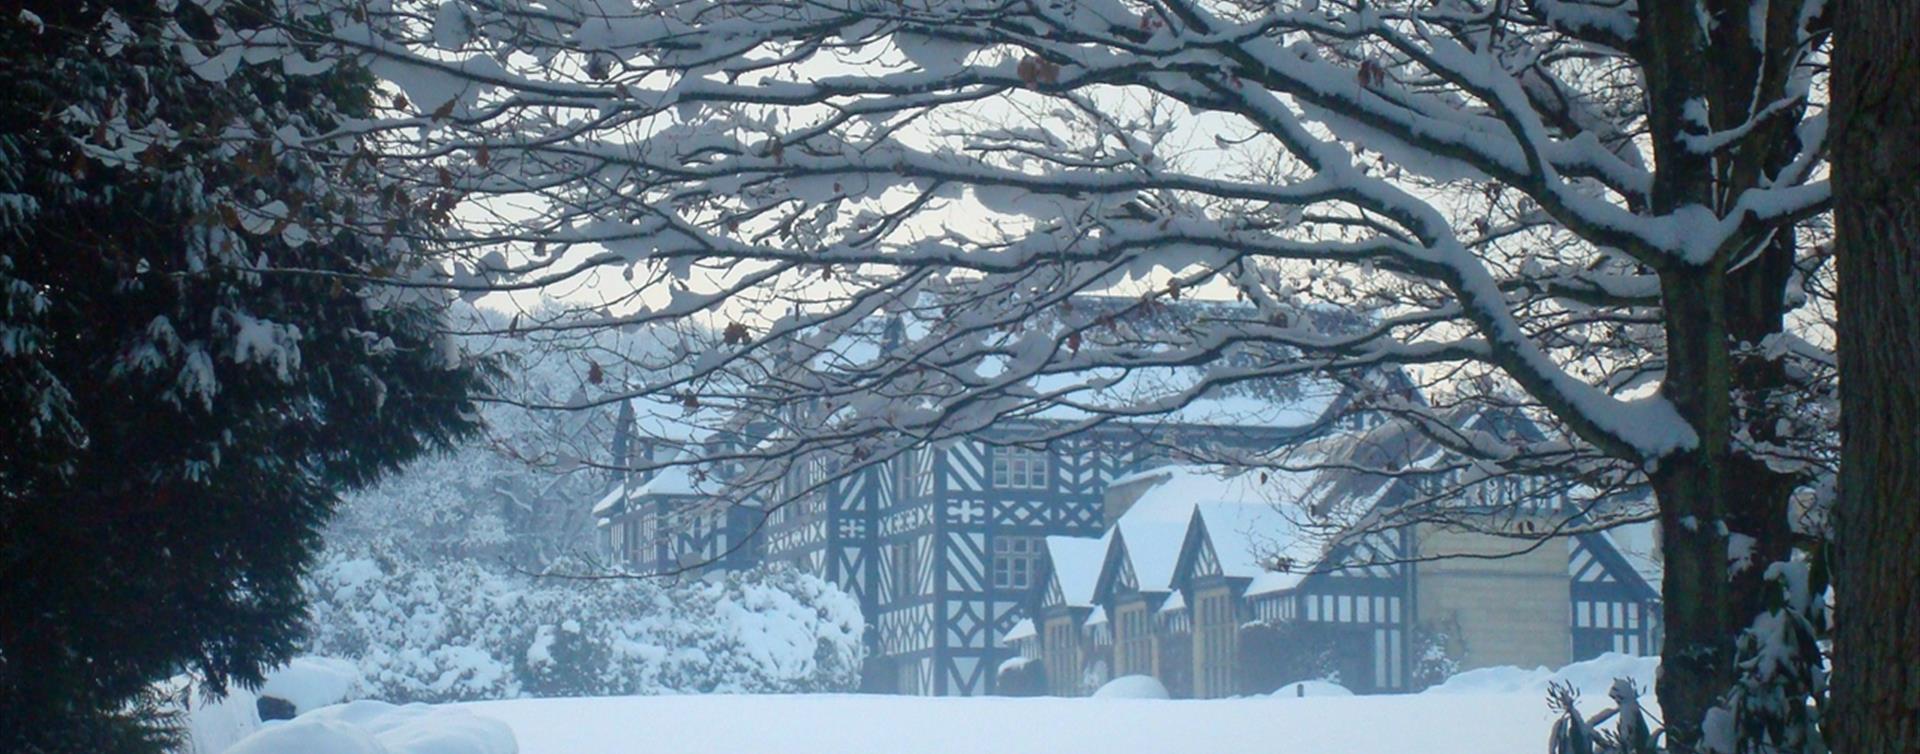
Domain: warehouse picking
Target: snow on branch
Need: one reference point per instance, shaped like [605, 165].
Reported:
[885, 225]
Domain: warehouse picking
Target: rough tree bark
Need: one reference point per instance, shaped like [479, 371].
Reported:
[1714, 489]
[1876, 168]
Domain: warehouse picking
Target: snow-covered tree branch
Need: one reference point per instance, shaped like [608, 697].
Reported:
[1613, 208]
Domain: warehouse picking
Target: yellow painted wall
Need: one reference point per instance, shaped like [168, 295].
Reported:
[1511, 610]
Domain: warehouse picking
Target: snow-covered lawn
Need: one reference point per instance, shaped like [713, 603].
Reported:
[1484, 712]
[1495, 711]
[852, 724]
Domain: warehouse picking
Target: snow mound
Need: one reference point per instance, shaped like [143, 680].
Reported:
[212, 725]
[370, 727]
[1133, 687]
[1592, 678]
[310, 737]
[1311, 688]
[310, 683]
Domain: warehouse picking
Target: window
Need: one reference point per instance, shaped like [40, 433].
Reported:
[1013, 562]
[1019, 468]
[1132, 641]
[1214, 628]
[1063, 657]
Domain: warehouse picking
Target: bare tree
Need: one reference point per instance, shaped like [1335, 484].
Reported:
[1605, 204]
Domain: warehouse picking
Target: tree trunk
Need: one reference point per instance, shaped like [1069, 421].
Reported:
[1697, 653]
[1876, 175]
[1715, 491]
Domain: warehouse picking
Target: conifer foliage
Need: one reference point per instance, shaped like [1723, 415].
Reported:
[200, 347]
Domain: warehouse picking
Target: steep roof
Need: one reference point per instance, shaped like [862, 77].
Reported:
[1252, 520]
[1244, 513]
[1639, 545]
[1150, 533]
[674, 479]
[1076, 565]
[1250, 535]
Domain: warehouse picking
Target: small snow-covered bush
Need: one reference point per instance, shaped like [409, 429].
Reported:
[1276, 653]
[1434, 659]
[1301, 689]
[459, 631]
[1021, 676]
[1133, 687]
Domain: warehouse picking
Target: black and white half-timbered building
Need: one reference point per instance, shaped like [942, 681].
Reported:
[675, 520]
[1091, 557]
[1215, 582]
[942, 546]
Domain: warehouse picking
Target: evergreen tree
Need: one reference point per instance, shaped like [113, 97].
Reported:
[201, 346]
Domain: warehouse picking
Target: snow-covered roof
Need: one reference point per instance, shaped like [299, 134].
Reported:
[1249, 516]
[1022, 630]
[1273, 582]
[1402, 446]
[1152, 530]
[1076, 565]
[674, 479]
[669, 480]
[1639, 544]
[1152, 547]
[613, 499]
[1248, 535]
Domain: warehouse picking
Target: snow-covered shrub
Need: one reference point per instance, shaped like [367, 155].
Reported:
[372, 727]
[1302, 689]
[1276, 653]
[1093, 675]
[459, 631]
[1433, 656]
[1777, 701]
[306, 684]
[1575, 734]
[1133, 687]
[1021, 676]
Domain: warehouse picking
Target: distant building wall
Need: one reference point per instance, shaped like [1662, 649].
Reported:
[1509, 610]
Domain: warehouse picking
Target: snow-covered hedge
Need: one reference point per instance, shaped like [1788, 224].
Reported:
[458, 631]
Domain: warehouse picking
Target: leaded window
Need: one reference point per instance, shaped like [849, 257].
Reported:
[1013, 562]
[1214, 627]
[1019, 468]
[1134, 641]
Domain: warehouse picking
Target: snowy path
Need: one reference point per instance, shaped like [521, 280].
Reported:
[853, 724]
